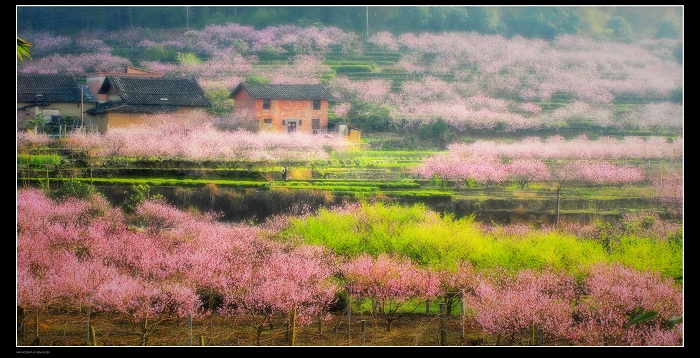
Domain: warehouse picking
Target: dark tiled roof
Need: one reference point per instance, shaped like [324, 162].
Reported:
[50, 88]
[121, 107]
[156, 91]
[295, 91]
[88, 97]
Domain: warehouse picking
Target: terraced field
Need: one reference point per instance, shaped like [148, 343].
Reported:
[353, 175]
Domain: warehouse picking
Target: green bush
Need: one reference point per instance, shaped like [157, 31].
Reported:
[432, 240]
[437, 132]
[220, 103]
[649, 254]
[75, 189]
[160, 53]
[39, 159]
[188, 58]
[139, 194]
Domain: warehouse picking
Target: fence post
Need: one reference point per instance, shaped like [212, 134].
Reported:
[443, 329]
[89, 326]
[90, 163]
[189, 327]
[427, 301]
[362, 330]
[462, 312]
[48, 184]
[349, 309]
[27, 170]
[558, 199]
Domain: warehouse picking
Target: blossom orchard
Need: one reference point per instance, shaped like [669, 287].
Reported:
[605, 161]
[391, 282]
[167, 138]
[536, 308]
[490, 172]
[494, 81]
[163, 265]
[504, 67]
[153, 276]
[629, 148]
[517, 308]
[669, 191]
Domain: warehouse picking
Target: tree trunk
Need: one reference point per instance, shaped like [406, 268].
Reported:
[258, 333]
[293, 323]
[20, 324]
[93, 341]
[36, 325]
[144, 333]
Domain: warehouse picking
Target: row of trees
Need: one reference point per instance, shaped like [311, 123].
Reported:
[489, 172]
[81, 253]
[580, 147]
[579, 160]
[167, 138]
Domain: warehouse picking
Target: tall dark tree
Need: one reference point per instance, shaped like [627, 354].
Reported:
[678, 52]
[621, 29]
[545, 22]
[484, 19]
[667, 30]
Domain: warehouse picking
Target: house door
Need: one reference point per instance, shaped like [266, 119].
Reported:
[291, 126]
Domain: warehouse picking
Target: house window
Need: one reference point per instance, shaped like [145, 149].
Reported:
[268, 122]
[48, 114]
[317, 104]
[315, 125]
[266, 103]
[300, 123]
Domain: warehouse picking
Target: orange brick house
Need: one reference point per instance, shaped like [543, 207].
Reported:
[284, 107]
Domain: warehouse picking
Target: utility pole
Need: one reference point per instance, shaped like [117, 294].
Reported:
[81, 107]
[558, 200]
[187, 11]
[367, 21]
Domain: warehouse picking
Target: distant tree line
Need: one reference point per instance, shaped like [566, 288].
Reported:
[621, 23]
